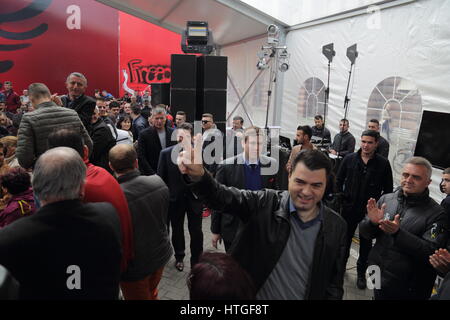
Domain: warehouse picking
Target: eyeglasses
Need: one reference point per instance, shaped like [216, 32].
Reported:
[205, 121]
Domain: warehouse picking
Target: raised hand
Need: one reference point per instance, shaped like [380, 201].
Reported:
[375, 215]
[390, 227]
[56, 99]
[190, 160]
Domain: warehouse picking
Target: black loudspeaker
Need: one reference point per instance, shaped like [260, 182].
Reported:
[212, 86]
[222, 126]
[184, 71]
[214, 102]
[160, 93]
[184, 100]
[212, 72]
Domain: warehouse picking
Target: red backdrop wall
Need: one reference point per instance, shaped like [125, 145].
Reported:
[145, 51]
[55, 50]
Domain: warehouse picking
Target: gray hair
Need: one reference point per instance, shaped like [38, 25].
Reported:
[79, 75]
[158, 110]
[58, 175]
[420, 161]
[38, 90]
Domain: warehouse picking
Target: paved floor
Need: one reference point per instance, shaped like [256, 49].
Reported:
[173, 283]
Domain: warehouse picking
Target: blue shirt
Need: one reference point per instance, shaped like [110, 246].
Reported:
[304, 225]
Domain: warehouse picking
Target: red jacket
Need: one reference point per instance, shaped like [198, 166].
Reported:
[12, 100]
[102, 187]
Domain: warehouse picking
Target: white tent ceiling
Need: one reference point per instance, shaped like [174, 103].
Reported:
[230, 20]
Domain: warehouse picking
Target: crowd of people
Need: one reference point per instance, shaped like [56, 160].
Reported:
[95, 191]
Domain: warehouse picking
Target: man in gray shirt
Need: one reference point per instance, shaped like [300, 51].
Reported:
[291, 244]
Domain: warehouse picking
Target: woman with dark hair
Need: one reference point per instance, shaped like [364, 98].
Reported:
[217, 276]
[17, 184]
[124, 133]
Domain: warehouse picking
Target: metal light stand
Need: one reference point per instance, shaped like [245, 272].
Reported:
[352, 54]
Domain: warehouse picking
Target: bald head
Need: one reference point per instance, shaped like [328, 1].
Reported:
[122, 158]
[59, 175]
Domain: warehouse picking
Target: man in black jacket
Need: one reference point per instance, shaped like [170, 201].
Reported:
[383, 144]
[408, 226]
[75, 99]
[362, 175]
[148, 200]
[243, 172]
[182, 203]
[292, 245]
[152, 140]
[102, 140]
[67, 250]
[344, 142]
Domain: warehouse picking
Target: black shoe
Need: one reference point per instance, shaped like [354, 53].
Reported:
[179, 265]
[361, 282]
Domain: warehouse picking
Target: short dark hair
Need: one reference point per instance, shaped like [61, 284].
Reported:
[16, 180]
[187, 126]
[371, 133]
[239, 118]
[208, 115]
[253, 131]
[375, 121]
[313, 160]
[217, 276]
[306, 130]
[122, 161]
[66, 138]
[136, 109]
[114, 104]
[181, 113]
[344, 120]
[446, 171]
[318, 117]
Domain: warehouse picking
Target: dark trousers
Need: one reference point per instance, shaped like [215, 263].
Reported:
[177, 212]
[365, 245]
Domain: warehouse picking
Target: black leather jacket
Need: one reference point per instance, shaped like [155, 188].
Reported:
[266, 231]
[403, 257]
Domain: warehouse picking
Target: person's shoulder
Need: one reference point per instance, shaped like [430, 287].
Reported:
[334, 216]
[167, 150]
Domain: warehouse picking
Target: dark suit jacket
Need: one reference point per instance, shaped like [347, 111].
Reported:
[103, 141]
[383, 147]
[149, 148]
[38, 251]
[84, 106]
[231, 173]
[169, 172]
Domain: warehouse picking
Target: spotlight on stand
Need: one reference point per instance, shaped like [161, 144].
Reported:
[273, 34]
[197, 38]
[283, 57]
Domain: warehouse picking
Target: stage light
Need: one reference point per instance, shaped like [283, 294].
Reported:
[197, 38]
[283, 57]
[273, 34]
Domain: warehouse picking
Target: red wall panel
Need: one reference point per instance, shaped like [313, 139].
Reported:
[145, 51]
[51, 56]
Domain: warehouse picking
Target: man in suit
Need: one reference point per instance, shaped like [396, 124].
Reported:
[67, 250]
[75, 99]
[243, 171]
[182, 202]
[383, 144]
[152, 140]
